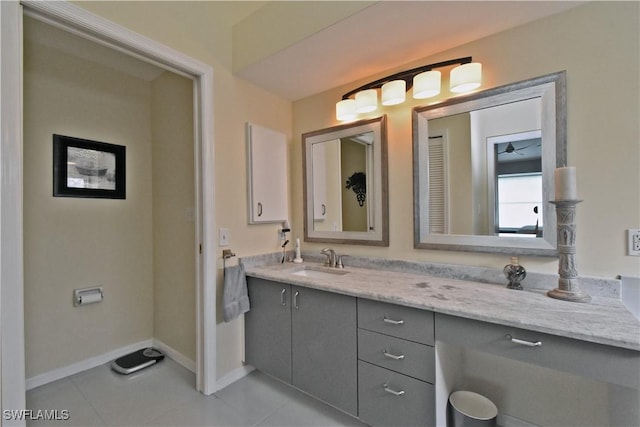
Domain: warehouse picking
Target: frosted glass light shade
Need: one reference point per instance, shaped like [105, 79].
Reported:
[394, 92]
[346, 110]
[466, 77]
[426, 85]
[366, 101]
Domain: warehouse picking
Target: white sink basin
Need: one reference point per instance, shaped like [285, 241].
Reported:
[319, 273]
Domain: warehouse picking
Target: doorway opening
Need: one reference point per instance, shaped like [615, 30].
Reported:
[81, 23]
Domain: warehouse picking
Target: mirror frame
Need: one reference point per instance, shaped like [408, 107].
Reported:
[380, 197]
[551, 89]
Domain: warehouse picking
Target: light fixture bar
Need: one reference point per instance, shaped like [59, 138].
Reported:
[407, 75]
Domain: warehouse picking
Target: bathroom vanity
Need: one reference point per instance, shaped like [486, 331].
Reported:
[378, 344]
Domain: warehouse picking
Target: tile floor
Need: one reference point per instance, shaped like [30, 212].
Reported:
[165, 395]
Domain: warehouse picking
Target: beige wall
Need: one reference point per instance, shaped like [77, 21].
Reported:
[174, 281]
[598, 45]
[78, 242]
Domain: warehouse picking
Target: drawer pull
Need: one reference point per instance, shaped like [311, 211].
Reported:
[523, 342]
[295, 300]
[392, 356]
[282, 300]
[392, 391]
[393, 322]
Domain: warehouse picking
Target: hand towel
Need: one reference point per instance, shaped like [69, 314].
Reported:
[235, 299]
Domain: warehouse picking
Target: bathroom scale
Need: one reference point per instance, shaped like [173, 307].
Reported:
[137, 360]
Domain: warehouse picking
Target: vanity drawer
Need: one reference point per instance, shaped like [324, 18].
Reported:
[405, 357]
[387, 398]
[601, 362]
[403, 322]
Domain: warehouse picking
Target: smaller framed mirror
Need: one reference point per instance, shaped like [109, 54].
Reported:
[345, 184]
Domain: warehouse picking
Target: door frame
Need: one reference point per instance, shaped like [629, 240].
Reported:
[79, 21]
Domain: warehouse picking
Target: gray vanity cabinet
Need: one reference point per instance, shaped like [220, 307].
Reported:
[304, 337]
[268, 328]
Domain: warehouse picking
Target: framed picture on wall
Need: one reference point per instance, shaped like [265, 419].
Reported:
[85, 168]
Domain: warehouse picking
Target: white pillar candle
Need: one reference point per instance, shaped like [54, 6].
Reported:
[565, 183]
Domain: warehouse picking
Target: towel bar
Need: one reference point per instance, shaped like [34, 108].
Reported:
[226, 254]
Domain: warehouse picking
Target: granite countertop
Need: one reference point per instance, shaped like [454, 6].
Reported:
[603, 320]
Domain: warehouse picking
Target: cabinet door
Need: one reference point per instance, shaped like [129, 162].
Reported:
[268, 328]
[268, 189]
[324, 342]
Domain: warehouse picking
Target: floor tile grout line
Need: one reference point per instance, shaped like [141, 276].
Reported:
[273, 412]
[86, 399]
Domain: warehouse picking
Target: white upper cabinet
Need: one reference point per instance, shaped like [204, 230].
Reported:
[267, 180]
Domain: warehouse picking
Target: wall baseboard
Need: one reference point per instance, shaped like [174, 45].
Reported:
[170, 352]
[233, 376]
[175, 355]
[83, 365]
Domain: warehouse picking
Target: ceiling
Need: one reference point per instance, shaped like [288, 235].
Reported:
[379, 37]
[384, 36]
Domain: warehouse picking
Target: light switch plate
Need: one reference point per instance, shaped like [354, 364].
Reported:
[223, 236]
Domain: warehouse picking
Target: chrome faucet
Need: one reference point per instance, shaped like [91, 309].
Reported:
[331, 257]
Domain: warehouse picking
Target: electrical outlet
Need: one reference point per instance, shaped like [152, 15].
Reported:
[633, 242]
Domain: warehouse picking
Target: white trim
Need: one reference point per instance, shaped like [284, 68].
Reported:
[84, 365]
[12, 359]
[81, 22]
[235, 375]
[175, 355]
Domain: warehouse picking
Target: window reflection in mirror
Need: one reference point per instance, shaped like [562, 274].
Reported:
[518, 186]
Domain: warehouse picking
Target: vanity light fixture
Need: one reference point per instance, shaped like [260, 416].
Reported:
[425, 81]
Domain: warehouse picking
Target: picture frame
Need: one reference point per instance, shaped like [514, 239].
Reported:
[86, 168]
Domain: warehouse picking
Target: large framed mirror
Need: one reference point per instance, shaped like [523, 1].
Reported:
[483, 169]
[345, 184]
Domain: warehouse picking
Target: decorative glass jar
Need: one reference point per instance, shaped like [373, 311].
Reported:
[515, 273]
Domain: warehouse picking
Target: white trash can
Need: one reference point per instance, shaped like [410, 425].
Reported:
[469, 409]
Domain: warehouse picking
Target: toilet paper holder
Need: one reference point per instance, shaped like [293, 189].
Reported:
[87, 296]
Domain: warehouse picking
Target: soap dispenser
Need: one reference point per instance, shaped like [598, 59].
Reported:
[515, 273]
